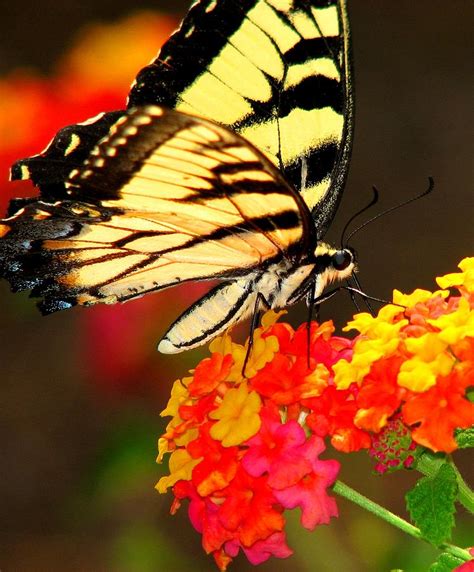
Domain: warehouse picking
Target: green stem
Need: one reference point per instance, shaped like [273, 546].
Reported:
[429, 465]
[350, 494]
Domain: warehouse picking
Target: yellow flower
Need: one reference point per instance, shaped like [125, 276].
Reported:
[379, 326]
[225, 346]
[130, 41]
[181, 466]
[419, 375]
[380, 338]
[417, 296]
[163, 448]
[426, 347]
[430, 359]
[464, 278]
[186, 437]
[238, 416]
[456, 325]
[271, 317]
[179, 395]
[316, 382]
[344, 374]
[222, 345]
[263, 350]
[366, 352]
[175, 436]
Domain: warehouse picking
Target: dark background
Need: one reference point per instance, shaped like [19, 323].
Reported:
[71, 497]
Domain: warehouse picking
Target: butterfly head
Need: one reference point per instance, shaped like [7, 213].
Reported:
[335, 264]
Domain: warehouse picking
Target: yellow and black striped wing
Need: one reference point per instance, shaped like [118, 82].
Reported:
[275, 71]
[165, 198]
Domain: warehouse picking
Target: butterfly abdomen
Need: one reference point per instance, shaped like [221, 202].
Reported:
[232, 302]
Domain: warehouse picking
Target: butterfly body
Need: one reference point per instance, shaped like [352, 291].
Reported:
[279, 286]
[238, 182]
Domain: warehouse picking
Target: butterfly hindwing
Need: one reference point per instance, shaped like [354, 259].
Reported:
[164, 198]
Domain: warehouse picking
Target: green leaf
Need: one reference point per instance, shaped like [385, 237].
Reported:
[431, 504]
[465, 438]
[445, 563]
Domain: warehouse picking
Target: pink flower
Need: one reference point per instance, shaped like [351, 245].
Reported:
[310, 494]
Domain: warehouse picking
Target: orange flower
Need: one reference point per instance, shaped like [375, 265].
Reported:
[440, 410]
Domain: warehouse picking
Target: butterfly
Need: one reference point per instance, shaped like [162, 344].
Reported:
[228, 164]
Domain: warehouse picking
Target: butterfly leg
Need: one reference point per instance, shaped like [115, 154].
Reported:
[352, 295]
[313, 309]
[260, 299]
[365, 298]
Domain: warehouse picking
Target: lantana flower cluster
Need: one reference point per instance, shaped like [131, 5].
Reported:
[245, 438]
[242, 448]
[416, 359]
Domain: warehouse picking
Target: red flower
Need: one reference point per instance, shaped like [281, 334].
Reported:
[218, 466]
[250, 508]
[333, 414]
[287, 380]
[260, 551]
[380, 395]
[209, 373]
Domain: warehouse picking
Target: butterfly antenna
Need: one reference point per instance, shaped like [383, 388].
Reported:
[391, 209]
[373, 201]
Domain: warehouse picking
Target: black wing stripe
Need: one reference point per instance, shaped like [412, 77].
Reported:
[314, 92]
[314, 49]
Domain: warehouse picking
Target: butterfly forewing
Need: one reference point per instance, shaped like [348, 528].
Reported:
[165, 198]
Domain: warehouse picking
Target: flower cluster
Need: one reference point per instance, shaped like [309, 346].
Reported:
[242, 448]
[417, 357]
[246, 434]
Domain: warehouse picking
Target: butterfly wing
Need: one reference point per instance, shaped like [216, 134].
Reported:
[69, 148]
[282, 67]
[275, 71]
[164, 198]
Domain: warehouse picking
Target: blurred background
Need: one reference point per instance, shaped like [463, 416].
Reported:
[81, 391]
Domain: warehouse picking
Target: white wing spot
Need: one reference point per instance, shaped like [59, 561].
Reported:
[99, 162]
[131, 130]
